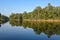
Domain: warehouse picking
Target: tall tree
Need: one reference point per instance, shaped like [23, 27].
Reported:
[37, 11]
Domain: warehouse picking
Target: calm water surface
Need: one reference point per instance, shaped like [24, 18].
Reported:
[29, 31]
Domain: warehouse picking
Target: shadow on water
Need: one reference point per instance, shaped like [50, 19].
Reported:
[47, 28]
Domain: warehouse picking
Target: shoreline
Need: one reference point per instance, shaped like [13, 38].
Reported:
[42, 20]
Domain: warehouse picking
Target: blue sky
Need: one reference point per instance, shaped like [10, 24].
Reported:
[18, 6]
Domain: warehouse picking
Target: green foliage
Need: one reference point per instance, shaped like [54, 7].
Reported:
[49, 12]
[3, 19]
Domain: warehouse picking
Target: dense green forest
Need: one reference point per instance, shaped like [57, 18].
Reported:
[48, 12]
[3, 18]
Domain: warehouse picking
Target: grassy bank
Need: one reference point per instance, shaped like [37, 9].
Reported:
[42, 20]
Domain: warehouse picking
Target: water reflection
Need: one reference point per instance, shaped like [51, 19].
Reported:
[3, 22]
[47, 28]
[0, 25]
[16, 23]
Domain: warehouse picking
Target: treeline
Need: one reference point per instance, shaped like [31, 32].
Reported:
[3, 18]
[49, 12]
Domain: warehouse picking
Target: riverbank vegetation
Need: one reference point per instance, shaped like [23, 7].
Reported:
[39, 13]
[48, 13]
[3, 18]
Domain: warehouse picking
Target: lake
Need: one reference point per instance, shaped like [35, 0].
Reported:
[16, 30]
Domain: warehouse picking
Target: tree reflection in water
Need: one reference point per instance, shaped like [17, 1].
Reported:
[3, 21]
[39, 27]
[0, 25]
